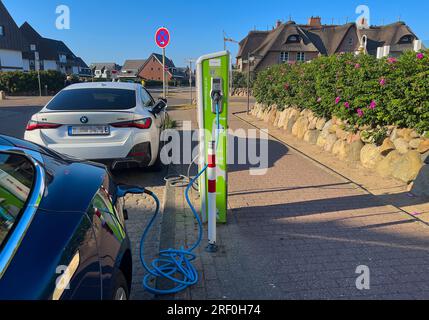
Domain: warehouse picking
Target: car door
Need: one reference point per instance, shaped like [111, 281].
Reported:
[109, 226]
[43, 254]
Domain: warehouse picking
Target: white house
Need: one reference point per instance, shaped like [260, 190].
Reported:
[11, 43]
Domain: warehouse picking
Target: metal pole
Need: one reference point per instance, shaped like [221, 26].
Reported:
[164, 88]
[248, 83]
[190, 79]
[40, 83]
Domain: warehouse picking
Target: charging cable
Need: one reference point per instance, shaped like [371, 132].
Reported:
[175, 265]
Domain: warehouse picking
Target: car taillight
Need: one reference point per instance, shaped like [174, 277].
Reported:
[34, 125]
[139, 124]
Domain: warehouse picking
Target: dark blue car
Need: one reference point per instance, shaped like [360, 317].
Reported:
[62, 227]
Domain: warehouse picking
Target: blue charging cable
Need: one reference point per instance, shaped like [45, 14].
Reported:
[174, 265]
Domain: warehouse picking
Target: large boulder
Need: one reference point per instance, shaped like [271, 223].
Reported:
[311, 136]
[351, 152]
[415, 143]
[338, 147]
[387, 147]
[300, 127]
[281, 120]
[291, 119]
[408, 166]
[370, 156]
[276, 119]
[330, 141]
[423, 147]
[272, 115]
[401, 145]
[260, 113]
[341, 133]
[321, 140]
[421, 183]
[267, 114]
[320, 123]
[386, 166]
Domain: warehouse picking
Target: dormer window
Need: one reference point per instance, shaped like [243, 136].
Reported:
[406, 39]
[293, 39]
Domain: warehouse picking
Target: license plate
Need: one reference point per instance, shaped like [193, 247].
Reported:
[89, 131]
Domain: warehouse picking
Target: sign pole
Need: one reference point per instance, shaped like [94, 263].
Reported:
[164, 87]
[37, 65]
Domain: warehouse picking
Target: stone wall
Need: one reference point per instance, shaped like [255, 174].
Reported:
[240, 92]
[402, 155]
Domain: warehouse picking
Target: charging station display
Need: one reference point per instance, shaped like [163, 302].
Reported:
[213, 89]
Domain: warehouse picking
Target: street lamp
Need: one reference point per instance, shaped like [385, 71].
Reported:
[251, 58]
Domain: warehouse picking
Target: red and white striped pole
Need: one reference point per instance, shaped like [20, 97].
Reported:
[211, 200]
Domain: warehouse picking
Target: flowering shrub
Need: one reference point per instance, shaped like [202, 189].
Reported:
[361, 89]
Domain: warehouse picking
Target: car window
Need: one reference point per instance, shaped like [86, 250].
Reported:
[93, 99]
[147, 100]
[16, 181]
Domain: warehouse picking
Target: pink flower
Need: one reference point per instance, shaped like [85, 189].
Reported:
[420, 56]
[319, 100]
[372, 105]
[347, 105]
[287, 86]
[392, 60]
[360, 113]
[382, 82]
[337, 100]
[357, 66]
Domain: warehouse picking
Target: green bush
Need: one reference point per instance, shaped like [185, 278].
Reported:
[27, 83]
[361, 89]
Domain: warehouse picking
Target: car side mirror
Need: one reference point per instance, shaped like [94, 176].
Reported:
[159, 106]
[123, 190]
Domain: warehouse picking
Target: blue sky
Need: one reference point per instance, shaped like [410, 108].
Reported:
[113, 30]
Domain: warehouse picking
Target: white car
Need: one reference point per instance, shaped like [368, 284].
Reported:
[114, 123]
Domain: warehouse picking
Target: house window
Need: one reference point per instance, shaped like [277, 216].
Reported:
[350, 41]
[1, 30]
[406, 39]
[300, 56]
[293, 39]
[284, 56]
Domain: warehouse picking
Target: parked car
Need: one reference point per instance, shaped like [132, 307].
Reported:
[62, 227]
[115, 123]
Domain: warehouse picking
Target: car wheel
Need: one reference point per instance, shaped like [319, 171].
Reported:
[120, 291]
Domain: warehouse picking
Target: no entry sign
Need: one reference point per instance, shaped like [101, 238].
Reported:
[162, 38]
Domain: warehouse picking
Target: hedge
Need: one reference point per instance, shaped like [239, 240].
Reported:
[363, 90]
[19, 82]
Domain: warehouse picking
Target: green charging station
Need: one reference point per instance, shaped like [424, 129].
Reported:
[213, 74]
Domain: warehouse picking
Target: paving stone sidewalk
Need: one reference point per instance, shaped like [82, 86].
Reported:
[300, 232]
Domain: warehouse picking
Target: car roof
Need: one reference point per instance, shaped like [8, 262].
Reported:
[104, 85]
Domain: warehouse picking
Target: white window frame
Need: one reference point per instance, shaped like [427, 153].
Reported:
[284, 56]
[300, 56]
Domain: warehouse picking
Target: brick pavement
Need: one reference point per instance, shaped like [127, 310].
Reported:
[300, 232]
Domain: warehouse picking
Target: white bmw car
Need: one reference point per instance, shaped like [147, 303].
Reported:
[115, 123]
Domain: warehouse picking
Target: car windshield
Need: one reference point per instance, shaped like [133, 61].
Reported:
[16, 181]
[93, 99]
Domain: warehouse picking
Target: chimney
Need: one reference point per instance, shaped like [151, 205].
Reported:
[315, 22]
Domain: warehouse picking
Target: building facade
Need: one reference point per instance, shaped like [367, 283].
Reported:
[11, 43]
[290, 42]
[24, 49]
